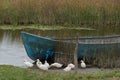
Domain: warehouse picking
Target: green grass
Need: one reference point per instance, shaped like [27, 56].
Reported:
[16, 73]
[23, 27]
[40, 27]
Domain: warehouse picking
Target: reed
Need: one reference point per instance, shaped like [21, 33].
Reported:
[60, 12]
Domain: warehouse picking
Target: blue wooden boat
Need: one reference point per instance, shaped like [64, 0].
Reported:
[44, 48]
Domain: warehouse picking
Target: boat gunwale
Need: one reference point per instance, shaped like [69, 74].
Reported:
[82, 38]
[94, 37]
[48, 38]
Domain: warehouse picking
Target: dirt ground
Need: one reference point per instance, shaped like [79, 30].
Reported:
[82, 70]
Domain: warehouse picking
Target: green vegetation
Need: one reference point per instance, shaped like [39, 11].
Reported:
[68, 31]
[102, 15]
[59, 19]
[39, 27]
[15, 73]
[92, 13]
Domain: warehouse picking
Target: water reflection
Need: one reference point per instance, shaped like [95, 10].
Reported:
[12, 51]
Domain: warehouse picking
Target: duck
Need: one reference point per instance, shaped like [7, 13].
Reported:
[57, 65]
[68, 68]
[47, 64]
[83, 65]
[28, 64]
[71, 65]
[40, 65]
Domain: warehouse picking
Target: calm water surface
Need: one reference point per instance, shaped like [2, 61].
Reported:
[12, 51]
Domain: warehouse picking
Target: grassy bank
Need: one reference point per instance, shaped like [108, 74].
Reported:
[41, 27]
[16, 73]
[60, 12]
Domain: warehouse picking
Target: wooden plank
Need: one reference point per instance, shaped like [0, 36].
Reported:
[76, 55]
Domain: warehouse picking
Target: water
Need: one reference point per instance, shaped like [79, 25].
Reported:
[12, 52]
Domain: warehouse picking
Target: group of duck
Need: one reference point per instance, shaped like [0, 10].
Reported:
[47, 66]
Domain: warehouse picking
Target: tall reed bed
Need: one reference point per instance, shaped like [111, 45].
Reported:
[60, 12]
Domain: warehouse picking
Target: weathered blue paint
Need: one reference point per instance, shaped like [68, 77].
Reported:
[44, 48]
[38, 47]
[92, 50]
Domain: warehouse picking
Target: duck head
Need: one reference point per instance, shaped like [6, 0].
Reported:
[82, 61]
[38, 60]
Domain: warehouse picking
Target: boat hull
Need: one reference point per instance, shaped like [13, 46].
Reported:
[49, 49]
[38, 47]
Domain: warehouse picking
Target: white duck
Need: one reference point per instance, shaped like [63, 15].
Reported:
[68, 68]
[47, 64]
[40, 65]
[58, 65]
[28, 64]
[71, 65]
[83, 65]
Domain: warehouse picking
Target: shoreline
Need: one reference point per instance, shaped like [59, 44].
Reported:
[79, 70]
